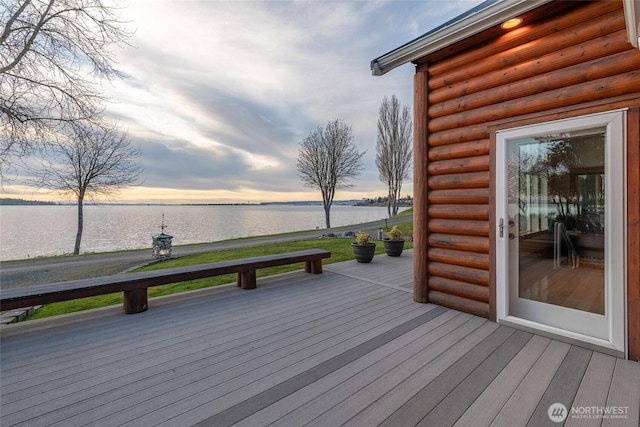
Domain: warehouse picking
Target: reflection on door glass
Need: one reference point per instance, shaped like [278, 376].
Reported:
[556, 218]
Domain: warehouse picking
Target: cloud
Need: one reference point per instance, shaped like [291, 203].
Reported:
[220, 93]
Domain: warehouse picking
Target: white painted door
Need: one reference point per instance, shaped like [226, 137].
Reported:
[560, 207]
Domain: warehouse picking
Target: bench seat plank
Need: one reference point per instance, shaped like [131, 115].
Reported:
[135, 285]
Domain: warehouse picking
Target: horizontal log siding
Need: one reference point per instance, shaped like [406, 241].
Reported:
[525, 43]
[561, 61]
[456, 151]
[459, 180]
[543, 99]
[616, 63]
[589, 50]
[457, 226]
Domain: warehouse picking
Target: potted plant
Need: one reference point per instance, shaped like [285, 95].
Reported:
[363, 249]
[394, 243]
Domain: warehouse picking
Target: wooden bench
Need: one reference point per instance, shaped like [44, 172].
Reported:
[134, 285]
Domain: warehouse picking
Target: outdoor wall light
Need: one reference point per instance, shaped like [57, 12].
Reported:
[511, 23]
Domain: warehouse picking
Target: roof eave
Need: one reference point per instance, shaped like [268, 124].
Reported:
[458, 30]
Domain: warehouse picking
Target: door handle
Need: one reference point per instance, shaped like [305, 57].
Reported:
[501, 227]
[512, 236]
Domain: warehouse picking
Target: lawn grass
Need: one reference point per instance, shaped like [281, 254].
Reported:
[405, 212]
[340, 251]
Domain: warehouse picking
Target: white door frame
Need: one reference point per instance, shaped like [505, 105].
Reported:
[615, 238]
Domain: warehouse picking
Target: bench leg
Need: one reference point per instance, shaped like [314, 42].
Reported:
[313, 267]
[135, 301]
[248, 279]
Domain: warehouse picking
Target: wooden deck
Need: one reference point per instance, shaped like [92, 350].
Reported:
[348, 347]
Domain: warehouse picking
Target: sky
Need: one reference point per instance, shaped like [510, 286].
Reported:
[219, 94]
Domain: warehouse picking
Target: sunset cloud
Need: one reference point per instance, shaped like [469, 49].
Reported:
[220, 93]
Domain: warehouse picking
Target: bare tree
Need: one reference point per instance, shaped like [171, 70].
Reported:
[90, 162]
[327, 158]
[394, 151]
[50, 52]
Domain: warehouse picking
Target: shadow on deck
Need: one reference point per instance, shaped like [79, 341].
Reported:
[348, 347]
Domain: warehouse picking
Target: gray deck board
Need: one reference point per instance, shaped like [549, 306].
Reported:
[339, 385]
[524, 400]
[183, 346]
[348, 398]
[467, 391]
[166, 374]
[283, 389]
[594, 389]
[206, 328]
[625, 393]
[158, 333]
[564, 385]
[244, 380]
[423, 402]
[377, 402]
[485, 408]
[252, 383]
[223, 366]
[380, 271]
[347, 347]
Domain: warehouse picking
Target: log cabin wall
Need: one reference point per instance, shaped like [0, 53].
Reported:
[567, 60]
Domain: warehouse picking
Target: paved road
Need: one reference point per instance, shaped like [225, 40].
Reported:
[48, 270]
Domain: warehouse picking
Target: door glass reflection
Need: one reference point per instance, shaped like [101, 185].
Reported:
[557, 216]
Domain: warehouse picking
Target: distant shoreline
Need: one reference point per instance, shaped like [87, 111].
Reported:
[21, 202]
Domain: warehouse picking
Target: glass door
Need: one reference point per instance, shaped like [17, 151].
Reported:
[560, 203]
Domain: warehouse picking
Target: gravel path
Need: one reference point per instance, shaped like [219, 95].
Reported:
[57, 269]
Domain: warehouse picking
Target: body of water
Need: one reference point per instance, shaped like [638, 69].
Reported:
[34, 231]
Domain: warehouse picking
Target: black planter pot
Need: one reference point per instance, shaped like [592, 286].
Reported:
[364, 253]
[393, 247]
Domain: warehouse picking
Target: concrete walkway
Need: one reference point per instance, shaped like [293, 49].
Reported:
[58, 269]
